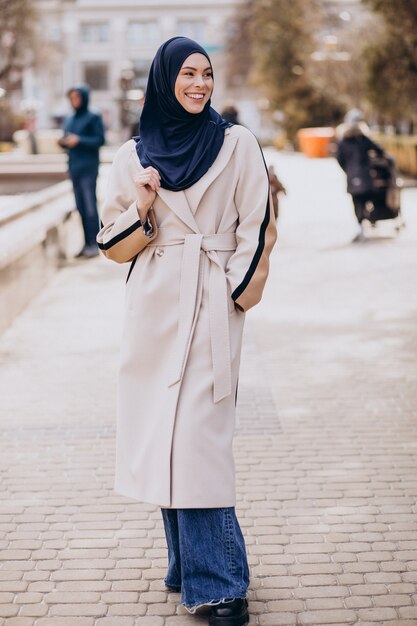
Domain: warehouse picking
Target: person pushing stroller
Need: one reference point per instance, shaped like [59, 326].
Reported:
[370, 172]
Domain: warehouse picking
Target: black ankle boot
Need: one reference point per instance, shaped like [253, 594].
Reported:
[234, 613]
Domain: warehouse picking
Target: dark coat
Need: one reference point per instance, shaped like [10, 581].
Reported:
[84, 157]
[353, 158]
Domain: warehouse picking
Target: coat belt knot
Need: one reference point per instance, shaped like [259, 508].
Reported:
[191, 288]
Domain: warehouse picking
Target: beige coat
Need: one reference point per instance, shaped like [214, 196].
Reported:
[186, 294]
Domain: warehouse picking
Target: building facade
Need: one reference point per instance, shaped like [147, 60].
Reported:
[110, 44]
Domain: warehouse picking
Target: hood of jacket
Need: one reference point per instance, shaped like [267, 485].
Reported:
[346, 131]
[84, 92]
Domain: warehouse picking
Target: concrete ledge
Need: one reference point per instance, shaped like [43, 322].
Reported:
[20, 205]
[37, 233]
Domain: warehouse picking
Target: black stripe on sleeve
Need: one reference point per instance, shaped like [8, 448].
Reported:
[120, 236]
[132, 265]
[260, 248]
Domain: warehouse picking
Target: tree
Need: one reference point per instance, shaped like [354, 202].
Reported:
[338, 67]
[272, 47]
[392, 60]
[240, 45]
[283, 42]
[16, 35]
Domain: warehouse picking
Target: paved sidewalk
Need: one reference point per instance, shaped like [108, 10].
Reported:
[326, 447]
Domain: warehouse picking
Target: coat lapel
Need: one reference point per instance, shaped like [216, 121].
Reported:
[196, 192]
[177, 202]
[185, 204]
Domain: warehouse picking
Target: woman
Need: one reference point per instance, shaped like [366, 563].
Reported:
[188, 205]
[353, 157]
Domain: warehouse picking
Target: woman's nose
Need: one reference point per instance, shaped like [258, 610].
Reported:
[199, 81]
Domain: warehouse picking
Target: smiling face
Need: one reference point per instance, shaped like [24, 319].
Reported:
[194, 83]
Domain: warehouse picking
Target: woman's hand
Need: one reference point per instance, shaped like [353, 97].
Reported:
[147, 184]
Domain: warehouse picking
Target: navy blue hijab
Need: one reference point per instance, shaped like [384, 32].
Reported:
[180, 145]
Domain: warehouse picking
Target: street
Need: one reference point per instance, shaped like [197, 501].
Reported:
[326, 447]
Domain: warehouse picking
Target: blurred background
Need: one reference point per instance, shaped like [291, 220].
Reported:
[287, 64]
[327, 438]
[287, 69]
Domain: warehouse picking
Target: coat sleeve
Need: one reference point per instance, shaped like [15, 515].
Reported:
[340, 155]
[371, 145]
[95, 136]
[248, 267]
[122, 236]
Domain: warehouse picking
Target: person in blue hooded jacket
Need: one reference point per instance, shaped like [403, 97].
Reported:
[83, 136]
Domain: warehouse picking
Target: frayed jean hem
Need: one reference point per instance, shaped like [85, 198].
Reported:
[174, 588]
[195, 607]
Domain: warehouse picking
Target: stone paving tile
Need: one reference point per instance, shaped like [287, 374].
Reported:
[325, 451]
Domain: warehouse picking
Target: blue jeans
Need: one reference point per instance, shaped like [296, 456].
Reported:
[84, 186]
[206, 555]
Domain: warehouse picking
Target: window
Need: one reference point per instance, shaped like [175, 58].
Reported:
[194, 29]
[94, 32]
[142, 33]
[54, 34]
[96, 75]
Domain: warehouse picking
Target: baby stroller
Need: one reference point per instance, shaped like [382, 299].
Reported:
[386, 201]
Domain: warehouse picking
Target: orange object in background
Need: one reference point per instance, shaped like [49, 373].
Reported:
[315, 142]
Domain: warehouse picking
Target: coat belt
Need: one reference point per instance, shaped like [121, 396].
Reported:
[191, 289]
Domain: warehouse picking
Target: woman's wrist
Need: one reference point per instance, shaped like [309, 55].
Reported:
[143, 213]
[142, 208]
